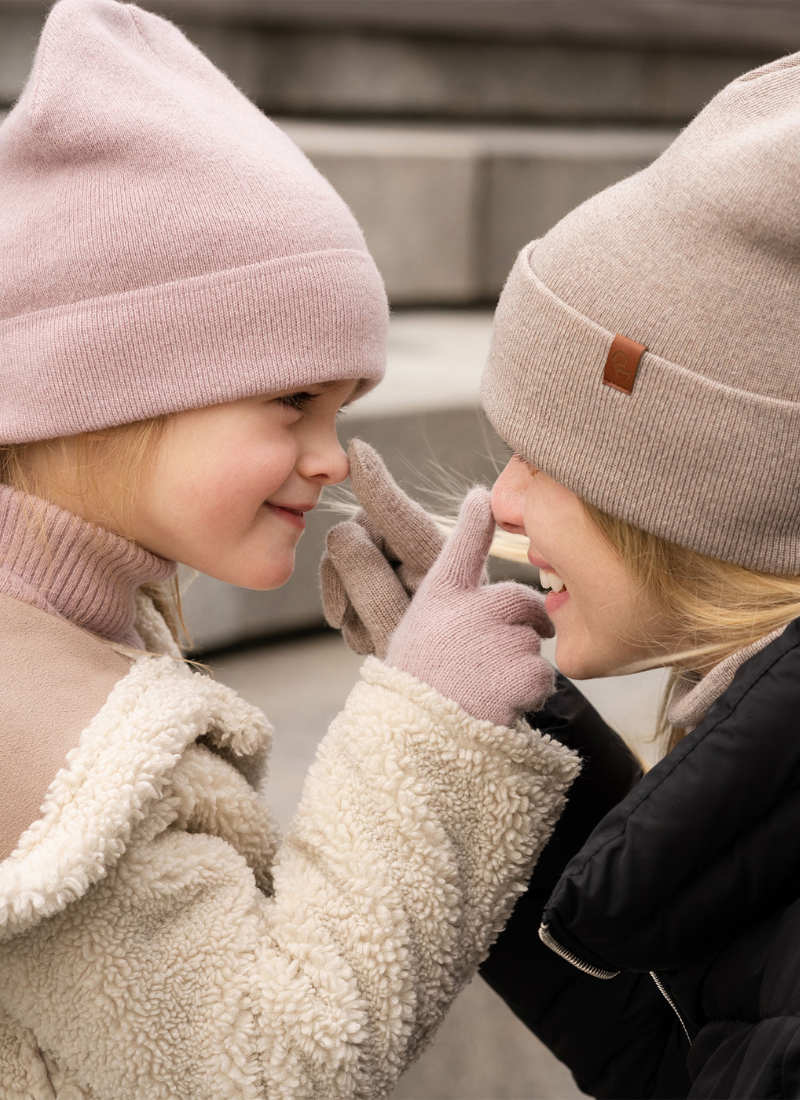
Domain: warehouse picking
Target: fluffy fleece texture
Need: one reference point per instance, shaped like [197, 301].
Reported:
[160, 943]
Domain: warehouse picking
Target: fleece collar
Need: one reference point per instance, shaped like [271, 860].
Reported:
[112, 781]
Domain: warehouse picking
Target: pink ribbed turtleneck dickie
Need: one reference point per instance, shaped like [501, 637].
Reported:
[57, 562]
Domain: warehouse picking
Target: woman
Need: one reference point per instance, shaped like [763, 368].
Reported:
[644, 372]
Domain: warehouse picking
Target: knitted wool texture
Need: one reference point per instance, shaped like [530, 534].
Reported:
[57, 562]
[163, 245]
[696, 258]
[476, 643]
[375, 562]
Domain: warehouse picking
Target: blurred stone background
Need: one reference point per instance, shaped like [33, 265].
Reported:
[457, 130]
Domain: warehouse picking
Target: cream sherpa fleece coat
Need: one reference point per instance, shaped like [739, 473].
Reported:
[159, 941]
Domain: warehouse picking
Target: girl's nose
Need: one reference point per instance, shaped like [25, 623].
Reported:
[508, 496]
[340, 465]
[326, 463]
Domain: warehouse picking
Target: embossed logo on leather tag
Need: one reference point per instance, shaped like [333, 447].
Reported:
[622, 364]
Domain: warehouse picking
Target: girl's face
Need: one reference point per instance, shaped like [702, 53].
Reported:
[227, 488]
[230, 485]
[604, 622]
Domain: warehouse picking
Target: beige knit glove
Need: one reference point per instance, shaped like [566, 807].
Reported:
[477, 644]
[375, 562]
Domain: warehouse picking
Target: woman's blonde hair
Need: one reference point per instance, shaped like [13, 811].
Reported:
[715, 607]
[121, 454]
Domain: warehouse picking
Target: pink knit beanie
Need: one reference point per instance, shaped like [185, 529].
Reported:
[163, 245]
[696, 259]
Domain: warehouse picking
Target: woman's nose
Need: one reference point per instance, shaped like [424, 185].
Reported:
[508, 496]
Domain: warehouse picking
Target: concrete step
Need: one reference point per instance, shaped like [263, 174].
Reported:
[596, 62]
[445, 209]
[426, 422]
[716, 26]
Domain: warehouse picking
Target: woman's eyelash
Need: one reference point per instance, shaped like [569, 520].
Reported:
[298, 401]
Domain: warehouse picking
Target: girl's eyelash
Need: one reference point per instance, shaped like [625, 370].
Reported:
[298, 401]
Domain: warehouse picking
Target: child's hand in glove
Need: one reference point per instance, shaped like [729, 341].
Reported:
[477, 644]
[376, 561]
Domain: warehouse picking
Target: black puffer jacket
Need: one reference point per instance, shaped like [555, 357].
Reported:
[693, 877]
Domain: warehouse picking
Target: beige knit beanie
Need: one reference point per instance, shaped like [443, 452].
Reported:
[696, 258]
[163, 245]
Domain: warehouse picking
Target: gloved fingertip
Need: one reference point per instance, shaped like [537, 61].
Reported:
[335, 533]
[363, 459]
[359, 448]
[465, 552]
[542, 623]
[477, 501]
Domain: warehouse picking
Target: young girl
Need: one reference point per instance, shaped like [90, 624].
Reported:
[644, 372]
[186, 305]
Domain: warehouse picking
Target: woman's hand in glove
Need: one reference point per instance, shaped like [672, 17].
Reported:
[375, 562]
[477, 644]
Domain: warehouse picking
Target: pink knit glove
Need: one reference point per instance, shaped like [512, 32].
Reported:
[477, 644]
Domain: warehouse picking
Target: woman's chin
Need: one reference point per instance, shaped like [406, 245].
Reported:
[576, 665]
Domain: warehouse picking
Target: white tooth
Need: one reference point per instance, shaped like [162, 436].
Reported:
[551, 580]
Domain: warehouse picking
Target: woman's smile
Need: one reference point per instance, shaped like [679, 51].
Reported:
[549, 578]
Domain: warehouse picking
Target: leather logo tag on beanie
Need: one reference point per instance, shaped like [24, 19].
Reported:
[622, 364]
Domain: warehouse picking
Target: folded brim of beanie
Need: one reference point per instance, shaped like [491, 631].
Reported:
[190, 343]
[660, 457]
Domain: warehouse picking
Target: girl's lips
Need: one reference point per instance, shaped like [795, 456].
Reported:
[291, 515]
[554, 600]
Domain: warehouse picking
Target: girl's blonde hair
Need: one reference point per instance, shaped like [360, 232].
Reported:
[121, 454]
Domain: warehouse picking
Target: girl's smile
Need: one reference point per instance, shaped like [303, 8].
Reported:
[292, 513]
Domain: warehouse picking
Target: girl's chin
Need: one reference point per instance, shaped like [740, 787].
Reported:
[260, 576]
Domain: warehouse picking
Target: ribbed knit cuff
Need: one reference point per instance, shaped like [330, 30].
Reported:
[659, 457]
[200, 341]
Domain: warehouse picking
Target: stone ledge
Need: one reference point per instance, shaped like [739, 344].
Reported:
[445, 209]
[391, 70]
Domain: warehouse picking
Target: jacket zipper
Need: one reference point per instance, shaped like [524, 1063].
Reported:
[668, 998]
[595, 971]
[549, 941]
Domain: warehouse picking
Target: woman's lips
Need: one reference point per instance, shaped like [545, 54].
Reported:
[292, 515]
[540, 563]
[554, 600]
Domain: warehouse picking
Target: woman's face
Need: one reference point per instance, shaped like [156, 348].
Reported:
[604, 623]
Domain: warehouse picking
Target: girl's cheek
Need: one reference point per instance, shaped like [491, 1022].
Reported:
[254, 473]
